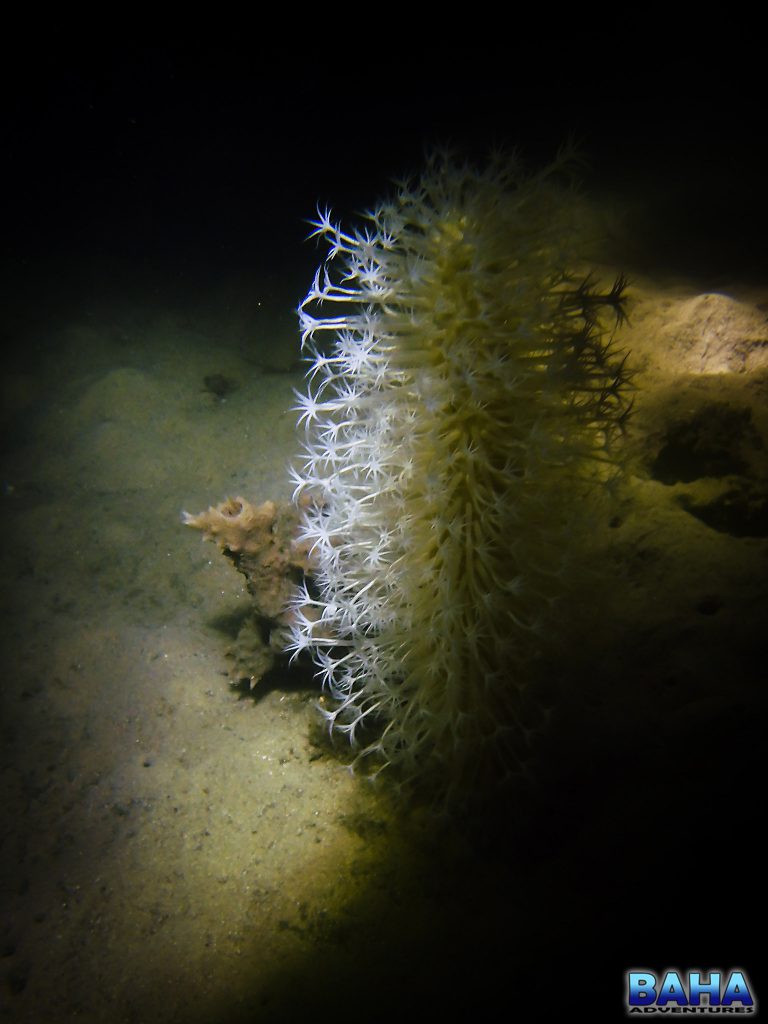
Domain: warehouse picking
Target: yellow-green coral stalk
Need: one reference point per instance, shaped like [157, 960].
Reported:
[462, 395]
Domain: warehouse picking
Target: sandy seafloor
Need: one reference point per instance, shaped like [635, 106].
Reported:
[176, 851]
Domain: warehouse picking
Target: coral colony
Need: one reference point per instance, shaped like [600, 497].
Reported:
[464, 400]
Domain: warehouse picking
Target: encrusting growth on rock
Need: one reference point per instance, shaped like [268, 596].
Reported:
[261, 541]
